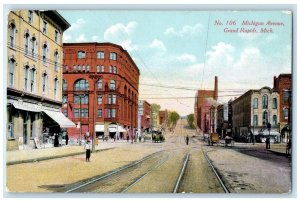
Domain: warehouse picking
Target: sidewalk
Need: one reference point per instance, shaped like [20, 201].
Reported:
[33, 155]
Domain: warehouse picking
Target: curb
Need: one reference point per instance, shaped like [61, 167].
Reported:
[50, 157]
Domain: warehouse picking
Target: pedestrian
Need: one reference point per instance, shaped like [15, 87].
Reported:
[56, 142]
[187, 140]
[268, 143]
[88, 150]
[67, 138]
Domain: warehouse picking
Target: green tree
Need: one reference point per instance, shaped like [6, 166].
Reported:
[173, 117]
[190, 120]
[155, 108]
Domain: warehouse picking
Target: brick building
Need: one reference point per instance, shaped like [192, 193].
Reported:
[163, 119]
[205, 108]
[100, 89]
[146, 117]
[283, 84]
[34, 77]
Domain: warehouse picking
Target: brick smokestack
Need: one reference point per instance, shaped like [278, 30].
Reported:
[216, 88]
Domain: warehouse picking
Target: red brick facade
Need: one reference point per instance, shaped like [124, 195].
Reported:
[283, 84]
[106, 78]
[145, 119]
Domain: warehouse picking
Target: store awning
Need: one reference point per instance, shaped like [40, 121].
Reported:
[121, 129]
[99, 128]
[60, 118]
[25, 106]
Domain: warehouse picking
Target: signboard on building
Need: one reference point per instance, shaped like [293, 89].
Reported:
[141, 108]
[225, 111]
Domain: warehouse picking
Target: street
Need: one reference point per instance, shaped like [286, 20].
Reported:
[158, 168]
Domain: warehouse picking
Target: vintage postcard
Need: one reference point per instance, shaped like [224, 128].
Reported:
[148, 101]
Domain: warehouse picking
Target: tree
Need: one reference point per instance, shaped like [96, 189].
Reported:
[190, 120]
[154, 114]
[173, 117]
[155, 108]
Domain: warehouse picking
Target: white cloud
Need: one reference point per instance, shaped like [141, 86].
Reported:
[128, 45]
[221, 55]
[66, 37]
[81, 38]
[186, 30]
[95, 38]
[186, 58]
[78, 24]
[119, 31]
[157, 44]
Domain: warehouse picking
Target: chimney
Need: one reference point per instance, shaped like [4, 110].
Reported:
[216, 88]
[274, 84]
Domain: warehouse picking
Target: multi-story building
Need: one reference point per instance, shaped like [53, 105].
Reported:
[100, 89]
[205, 109]
[163, 119]
[253, 111]
[224, 119]
[34, 76]
[283, 84]
[146, 115]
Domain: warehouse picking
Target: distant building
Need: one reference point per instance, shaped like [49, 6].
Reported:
[283, 84]
[34, 77]
[205, 109]
[146, 117]
[163, 119]
[252, 112]
[100, 89]
[224, 119]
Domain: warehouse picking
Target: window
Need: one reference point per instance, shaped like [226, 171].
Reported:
[83, 68]
[113, 56]
[81, 99]
[33, 41]
[79, 68]
[100, 55]
[99, 99]
[44, 82]
[88, 68]
[81, 85]
[45, 27]
[286, 113]
[26, 70]
[66, 68]
[30, 17]
[12, 34]
[99, 84]
[114, 99]
[32, 80]
[108, 113]
[274, 120]
[286, 96]
[56, 61]
[57, 36]
[255, 120]
[55, 87]
[115, 70]
[81, 54]
[44, 53]
[10, 126]
[274, 103]
[64, 99]
[102, 68]
[27, 40]
[109, 98]
[76, 112]
[110, 69]
[11, 71]
[64, 85]
[265, 118]
[84, 113]
[74, 68]
[98, 68]
[113, 113]
[99, 112]
[265, 102]
[112, 85]
[255, 103]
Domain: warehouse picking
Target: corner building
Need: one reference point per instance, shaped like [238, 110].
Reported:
[100, 90]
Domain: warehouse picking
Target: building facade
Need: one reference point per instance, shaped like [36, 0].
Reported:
[163, 119]
[205, 109]
[34, 76]
[100, 90]
[224, 119]
[283, 84]
[253, 111]
[146, 115]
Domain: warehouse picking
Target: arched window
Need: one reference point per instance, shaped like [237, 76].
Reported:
[255, 103]
[12, 34]
[112, 85]
[44, 82]
[32, 80]
[64, 85]
[286, 114]
[11, 71]
[274, 120]
[45, 53]
[33, 41]
[274, 103]
[110, 69]
[115, 70]
[56, 61]
[55, 87]
[81, 84]
[26, 73]
[81, 54]
[265, 102]
[27, 40]
[99, 84]
[265, 118]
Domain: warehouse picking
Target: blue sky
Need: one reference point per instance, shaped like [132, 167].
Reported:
[185, 49]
